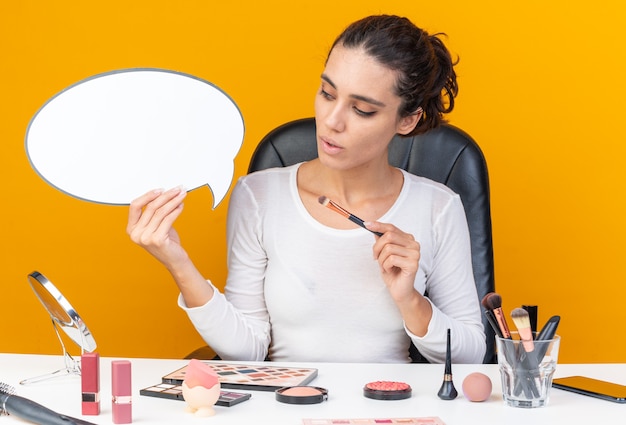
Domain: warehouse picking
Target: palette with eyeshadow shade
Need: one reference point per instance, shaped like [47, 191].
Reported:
[394, 421]
[175, 392]
[259, 378]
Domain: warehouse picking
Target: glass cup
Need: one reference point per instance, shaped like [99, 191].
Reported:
[526, 370]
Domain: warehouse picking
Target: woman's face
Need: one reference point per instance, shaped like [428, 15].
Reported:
[356, 110]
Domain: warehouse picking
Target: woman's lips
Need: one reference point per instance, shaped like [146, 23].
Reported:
[329, 147]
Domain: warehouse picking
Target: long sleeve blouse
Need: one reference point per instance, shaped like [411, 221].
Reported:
[298, 290]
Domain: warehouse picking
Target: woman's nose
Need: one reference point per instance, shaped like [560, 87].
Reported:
[335, 118]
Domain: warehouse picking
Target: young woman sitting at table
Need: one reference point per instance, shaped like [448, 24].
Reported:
[306, 284]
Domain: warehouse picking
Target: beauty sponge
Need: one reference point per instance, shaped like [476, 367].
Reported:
[200, 374]
[477, 387]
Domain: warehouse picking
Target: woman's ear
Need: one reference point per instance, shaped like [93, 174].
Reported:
[408, 123]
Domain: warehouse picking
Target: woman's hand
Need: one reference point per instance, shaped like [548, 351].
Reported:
[150, 224]
[398, 255]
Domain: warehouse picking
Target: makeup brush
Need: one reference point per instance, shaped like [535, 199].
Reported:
[447, 390]
[527, 357]
[532, 314]
[547, 332]
[491, 318]
[353, 218]
[493, 306]
[549, 329]
[522, 323]
[493, 303]
[29, 410]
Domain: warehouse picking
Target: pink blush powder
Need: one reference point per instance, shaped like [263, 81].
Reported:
[301, 395]
[387, 390]
[388, 386]
[301, 391]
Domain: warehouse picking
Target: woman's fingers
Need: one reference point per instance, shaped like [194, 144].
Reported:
[154, 210]
[137, 206]
[394, 257]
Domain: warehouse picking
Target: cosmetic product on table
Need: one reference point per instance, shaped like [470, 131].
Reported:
[175, 392]
[492, 302]
[528, 361]
[477, 387]
[266, 377]
[302, 395]
[387, 390]
[121, 403]
[201, 388]
[28, 410]
[447, 390]
[90, 383]
[535, 373]
[376, 421]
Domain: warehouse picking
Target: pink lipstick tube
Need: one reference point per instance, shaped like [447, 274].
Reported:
[122, 392]
[90, 383]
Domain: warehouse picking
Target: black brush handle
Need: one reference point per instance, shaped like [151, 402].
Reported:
[549, 329]
[547, 332]
[29, 410]
[353, 218]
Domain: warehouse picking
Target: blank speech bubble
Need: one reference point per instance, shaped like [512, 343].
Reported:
[115, 136]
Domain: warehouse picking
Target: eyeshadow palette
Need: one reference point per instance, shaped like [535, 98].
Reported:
[175, 392]
[259, 378]
[393, 421]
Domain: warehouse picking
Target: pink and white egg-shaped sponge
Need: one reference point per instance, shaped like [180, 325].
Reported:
[201, 388]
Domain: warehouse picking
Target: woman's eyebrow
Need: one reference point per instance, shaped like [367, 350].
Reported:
[355, 96]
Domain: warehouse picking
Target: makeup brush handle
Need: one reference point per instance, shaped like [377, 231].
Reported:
[29, 410]
[547, 332]
[493, 322]
[353, 218]
[529, 368]
[521, 383]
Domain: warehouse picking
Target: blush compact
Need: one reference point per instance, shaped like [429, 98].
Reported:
[301, 395]
[387, 390]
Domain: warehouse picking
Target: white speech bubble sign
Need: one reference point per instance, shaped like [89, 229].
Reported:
[114, 136]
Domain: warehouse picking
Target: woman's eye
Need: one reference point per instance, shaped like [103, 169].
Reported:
[325, 94]
[363, 113]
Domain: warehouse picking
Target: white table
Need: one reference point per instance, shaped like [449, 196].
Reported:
[344, 383]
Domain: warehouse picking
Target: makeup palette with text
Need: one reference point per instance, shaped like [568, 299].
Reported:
[260, 378]
[380, 421]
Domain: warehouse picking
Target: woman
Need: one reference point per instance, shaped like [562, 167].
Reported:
[304, 283]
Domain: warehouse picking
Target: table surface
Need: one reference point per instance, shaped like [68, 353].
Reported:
[345, 387]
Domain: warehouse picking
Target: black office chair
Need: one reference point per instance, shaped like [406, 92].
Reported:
[446, 155]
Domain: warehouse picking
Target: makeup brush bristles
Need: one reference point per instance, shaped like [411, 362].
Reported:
[330, 204]
[522, 323]
[493, 302]
[323, 200]
[6, 389]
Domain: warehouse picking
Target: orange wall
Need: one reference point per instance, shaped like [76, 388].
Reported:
[541, 91]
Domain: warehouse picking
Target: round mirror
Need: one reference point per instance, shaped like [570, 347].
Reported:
[61, 311]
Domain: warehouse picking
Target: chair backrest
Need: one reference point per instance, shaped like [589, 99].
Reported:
[446, 155]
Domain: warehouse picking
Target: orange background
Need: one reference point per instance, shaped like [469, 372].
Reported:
[541, 90]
